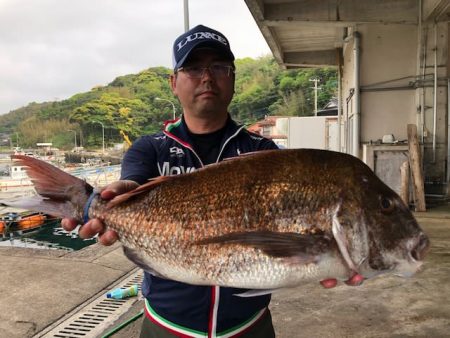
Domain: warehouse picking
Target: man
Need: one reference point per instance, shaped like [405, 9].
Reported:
[203, 80]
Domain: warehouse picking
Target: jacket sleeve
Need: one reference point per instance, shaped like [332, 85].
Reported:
[139, 162]
[267, 144]
[262, 143]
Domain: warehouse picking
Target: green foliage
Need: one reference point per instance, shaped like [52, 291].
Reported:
[262, 88]
[114, 111]
[128, 104]
[34, 130]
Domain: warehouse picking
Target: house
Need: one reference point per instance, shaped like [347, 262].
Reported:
[273, 128]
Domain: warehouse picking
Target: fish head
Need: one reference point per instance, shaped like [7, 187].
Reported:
[375, 231]
[380, 234]
[397, 244]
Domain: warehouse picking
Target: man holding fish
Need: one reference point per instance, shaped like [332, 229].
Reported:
[203, 80]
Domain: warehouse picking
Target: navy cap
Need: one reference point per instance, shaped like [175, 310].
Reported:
[199, 36]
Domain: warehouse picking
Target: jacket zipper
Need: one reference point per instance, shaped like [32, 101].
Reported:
[215, 290]
[185, 145]
[188, 146]
[226, 142]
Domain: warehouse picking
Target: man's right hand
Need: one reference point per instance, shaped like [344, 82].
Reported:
[95, 226]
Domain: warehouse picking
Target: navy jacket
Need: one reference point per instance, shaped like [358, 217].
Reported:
[174, 305]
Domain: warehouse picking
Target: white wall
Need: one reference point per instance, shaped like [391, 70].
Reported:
[385, 58]
[389, 57]
[315, 132]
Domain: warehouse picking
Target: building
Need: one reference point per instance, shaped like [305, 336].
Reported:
[393, 66]
[314, 132]
[271, 128]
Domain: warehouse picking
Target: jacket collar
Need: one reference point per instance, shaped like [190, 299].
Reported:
[178, 130]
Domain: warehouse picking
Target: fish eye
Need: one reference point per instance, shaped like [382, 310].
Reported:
[386, 204]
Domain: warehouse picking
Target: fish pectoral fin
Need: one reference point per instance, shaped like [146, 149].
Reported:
[303, 248]
[139, 260]
[255, 293]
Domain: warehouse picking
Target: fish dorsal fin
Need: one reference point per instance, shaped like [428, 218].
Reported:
[244, 155]
[153, 183]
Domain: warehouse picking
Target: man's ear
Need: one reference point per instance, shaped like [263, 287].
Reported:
[173, 83]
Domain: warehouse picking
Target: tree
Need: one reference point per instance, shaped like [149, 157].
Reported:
[128, 103]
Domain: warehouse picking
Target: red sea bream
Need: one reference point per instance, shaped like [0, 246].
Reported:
[265, 220]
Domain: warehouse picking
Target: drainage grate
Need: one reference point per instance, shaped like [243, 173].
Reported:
[92, 319]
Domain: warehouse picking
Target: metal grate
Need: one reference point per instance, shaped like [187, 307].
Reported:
[93, 318]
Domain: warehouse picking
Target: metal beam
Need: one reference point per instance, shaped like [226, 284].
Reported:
[311, 59]
[355, 11]
[436, 10]
[257, 10]
[326, 24]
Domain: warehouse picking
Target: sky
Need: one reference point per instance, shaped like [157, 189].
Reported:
[53, 49]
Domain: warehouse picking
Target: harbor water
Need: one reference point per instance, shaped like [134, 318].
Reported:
[49, 236]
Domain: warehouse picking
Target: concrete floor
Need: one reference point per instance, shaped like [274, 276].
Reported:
[41, 286]
[382, 307]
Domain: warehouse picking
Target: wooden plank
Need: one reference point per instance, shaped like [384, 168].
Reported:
[415, 163]
[404, 187]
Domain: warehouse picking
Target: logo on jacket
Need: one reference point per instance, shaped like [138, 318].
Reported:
[257, 138]
[167, 170]
[175, 151]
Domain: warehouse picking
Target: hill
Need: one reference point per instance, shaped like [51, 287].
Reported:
[128, 104]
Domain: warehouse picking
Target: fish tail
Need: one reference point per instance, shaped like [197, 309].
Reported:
[59, 193]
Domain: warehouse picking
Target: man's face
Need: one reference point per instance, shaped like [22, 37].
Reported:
[208, 96]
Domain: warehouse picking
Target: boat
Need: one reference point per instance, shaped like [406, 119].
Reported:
[19, 224]
[31, 221]
[15, 179]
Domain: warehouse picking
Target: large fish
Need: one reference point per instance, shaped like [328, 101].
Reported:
[266, 220]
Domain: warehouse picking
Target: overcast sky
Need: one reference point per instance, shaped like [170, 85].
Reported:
[52, 49]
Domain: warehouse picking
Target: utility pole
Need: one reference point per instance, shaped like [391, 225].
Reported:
[103, 136]
[315, 80]
[75, 133]
[186, 15]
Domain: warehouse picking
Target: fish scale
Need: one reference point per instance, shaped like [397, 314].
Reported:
[264, 220]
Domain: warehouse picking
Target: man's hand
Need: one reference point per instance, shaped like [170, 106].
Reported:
[95, 226]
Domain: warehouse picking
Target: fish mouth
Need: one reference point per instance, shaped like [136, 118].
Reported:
[406, 267]
[417, 250]
[419, 247]
[405, 261]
